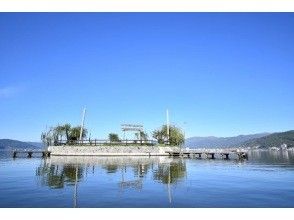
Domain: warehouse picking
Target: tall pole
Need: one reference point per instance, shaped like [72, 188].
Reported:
[168, 185]
[167, 125]
[184, 126]
[82, 124]
[76, 188]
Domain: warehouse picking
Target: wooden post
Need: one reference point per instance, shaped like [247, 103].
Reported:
[76, 188]
[211, 154]
[243, 155]
[225, 156]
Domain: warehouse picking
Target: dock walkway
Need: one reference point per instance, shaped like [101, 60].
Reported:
[208, 155]
[30, 153]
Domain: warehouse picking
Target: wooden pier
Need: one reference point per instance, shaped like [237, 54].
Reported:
[225, 155]
[208, 155]
[30, 153]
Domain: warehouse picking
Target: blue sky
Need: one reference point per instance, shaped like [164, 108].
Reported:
[219, 74]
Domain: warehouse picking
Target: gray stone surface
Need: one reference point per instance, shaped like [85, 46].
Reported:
[111, 150]
[110, 160]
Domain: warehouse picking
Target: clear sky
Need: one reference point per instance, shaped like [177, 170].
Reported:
[218, 74]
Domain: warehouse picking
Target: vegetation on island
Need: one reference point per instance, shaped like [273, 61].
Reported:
[142, 136]
[176, 136]
[113, 137]
[70, 135]
[61, 132]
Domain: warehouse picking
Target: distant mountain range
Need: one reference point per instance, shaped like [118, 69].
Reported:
[212, 141]
[14, 144]
[36, 144]
[272, 140]
[261, 140]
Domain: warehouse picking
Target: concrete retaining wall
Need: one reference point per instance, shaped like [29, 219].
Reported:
[107, 161]
[111, 150]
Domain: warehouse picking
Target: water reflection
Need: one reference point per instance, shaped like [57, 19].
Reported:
[56, 176]
[130, 175]
[56, 172]
[170, 172]
[59, 172]
[272, 156]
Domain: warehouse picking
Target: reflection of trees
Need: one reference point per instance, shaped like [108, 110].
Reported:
[55, 176]
[112, 168]
[69, 172]
[50, 176]
[140, 170]
[170, 173]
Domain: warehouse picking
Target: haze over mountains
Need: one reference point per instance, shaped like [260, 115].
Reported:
[12, 144]
[261, 140]
[280, 139]
[211, 141]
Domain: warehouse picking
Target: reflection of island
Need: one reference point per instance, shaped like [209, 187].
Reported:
[58, 172]
[171, 172]
[56, 176]
[136, 183]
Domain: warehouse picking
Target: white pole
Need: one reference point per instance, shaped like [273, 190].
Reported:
[76, 188]
[82, 124]
[168, 185]
[167, 125]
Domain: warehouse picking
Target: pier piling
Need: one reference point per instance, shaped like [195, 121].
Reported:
[209, 155]
[30, 153]
[225, 156]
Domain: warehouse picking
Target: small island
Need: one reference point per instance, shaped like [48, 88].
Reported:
[168, 140]
[68, 140]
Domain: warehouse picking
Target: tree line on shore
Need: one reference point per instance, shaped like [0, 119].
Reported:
[59, 132]
[175, 136]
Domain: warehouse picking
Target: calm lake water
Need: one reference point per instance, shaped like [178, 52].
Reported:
[265, 180]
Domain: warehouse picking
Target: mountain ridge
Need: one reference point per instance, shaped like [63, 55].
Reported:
[274, 140]
[16, 144]
[212, 141]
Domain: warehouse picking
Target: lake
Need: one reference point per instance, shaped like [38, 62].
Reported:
[266, 179]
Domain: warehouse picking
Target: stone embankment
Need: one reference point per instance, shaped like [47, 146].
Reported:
[111, 160]
[111, 150]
